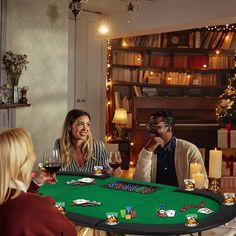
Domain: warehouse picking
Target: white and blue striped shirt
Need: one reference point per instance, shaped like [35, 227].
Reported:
[100, 158]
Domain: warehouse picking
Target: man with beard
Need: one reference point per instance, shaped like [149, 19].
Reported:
[165, 159]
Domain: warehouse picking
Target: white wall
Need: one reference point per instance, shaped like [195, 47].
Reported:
[90, 69]
[40, 30]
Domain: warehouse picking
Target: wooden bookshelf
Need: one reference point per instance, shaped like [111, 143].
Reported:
[182, 71]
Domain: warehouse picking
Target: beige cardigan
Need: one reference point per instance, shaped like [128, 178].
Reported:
[185, 153]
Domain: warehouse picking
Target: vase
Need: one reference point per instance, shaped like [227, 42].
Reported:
[14, 95]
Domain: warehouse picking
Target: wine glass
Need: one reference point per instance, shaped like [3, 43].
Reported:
[52, 162]
[115, 160]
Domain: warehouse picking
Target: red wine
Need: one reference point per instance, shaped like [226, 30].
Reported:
[52, 167]
[114, 165]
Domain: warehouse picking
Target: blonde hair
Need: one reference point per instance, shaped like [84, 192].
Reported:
[66, 146]
[16, 151]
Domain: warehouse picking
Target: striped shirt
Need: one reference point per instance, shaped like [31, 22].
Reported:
[100, 158]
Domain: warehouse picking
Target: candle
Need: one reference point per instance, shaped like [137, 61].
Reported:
[199, 180]
[194, 169]
[215, 163]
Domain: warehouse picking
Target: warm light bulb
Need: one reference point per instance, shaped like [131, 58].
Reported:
[103, 29]
[217, 52]
[204, 66]
[124, 44]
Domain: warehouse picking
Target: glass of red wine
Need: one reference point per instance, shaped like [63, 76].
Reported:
[52, 163]
[115, 160]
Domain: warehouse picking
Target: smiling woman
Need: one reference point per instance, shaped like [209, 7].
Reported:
[79, 151]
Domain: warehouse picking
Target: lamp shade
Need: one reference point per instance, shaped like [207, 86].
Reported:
[120, 116]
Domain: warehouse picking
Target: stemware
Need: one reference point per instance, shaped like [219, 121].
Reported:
[51, 160]
[115, 160]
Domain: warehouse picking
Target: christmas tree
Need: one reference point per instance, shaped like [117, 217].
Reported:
[226, 110]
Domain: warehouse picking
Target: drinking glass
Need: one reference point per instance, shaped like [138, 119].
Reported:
[52, 162]
[115, 160]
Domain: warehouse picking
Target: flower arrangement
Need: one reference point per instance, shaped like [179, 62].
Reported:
[14, 65]
[226, 110]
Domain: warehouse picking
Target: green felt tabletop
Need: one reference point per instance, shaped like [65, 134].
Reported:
[146, 205]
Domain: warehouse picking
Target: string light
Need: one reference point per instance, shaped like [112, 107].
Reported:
[227, 27]
[108, 89]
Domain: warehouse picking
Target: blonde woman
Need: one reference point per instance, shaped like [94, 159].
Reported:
[22, 212]
[79, 151]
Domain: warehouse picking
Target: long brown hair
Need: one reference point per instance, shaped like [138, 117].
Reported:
[66, 146]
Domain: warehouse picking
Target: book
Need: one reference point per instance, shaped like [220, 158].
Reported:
[197, 62]
[137, 91]
[117, 99]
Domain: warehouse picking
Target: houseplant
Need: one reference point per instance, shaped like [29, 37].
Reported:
[14, 64]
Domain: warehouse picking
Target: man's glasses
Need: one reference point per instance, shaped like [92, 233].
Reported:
[154, 126]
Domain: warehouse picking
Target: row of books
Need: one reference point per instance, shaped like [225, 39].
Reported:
[175, 78]
[204, 39]
[196, 62]
[127, 75]
[153, 40]
[220, 62]
[212, 61]
[169, 78]
[127, 58]
[205, 79]
[217, 40]
[136, 75]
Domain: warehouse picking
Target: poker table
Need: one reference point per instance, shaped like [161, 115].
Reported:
[143, 197]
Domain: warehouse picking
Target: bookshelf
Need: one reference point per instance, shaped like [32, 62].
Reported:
[181, 71]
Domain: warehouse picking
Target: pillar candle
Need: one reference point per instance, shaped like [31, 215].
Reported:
[194, 169]
[199, 180]
[215, 163]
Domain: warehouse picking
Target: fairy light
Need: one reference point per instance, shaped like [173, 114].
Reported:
[227, 27]
[124, 44]
[108, 87]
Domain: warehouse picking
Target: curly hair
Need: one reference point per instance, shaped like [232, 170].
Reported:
[66, 146]
[167, 117]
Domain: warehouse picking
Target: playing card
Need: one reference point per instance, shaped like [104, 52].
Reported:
[80, 201]
[86, 180]
[205, 210]
[170, 213]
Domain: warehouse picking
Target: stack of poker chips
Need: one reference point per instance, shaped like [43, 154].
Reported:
[128, 213]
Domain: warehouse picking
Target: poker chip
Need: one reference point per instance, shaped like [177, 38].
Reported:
[131, 187]
[186, 207]
[61, 208]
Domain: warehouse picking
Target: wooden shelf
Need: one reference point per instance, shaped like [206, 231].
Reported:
[13, 105]
[188, 51]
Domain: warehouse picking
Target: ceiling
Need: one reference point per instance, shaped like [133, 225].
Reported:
[110, 7]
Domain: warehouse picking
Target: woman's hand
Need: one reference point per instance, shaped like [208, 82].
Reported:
[114, 172]
[43, 176]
